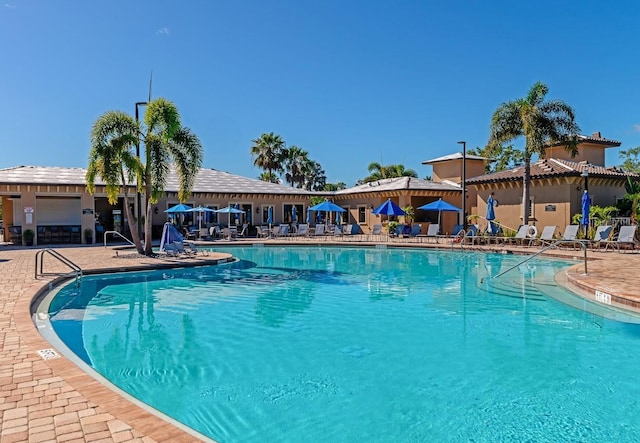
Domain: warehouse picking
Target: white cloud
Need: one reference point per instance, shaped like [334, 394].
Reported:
[163, 31]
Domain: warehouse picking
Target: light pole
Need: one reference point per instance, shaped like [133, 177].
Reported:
[138, 195]
[464, 184]
[585, 174]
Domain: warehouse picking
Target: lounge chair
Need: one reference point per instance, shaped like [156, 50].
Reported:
[170, 250]
[284, 231]
[303, 230]
[601, 237]
[179, 247]
[261, 232]
[204, 234]
[432, 232]
[191, 247]
[347, 229]
[521, 235]
[546, 236]
[319, 230]
[570, 236]
[214, 232]
[626, 237]
[376, 231]
[243, 231]
[416, 229]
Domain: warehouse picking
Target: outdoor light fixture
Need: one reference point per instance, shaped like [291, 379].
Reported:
[138, 194]
[585, 174]
[464, 184]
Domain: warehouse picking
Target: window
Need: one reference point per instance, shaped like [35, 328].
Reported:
[362, 214]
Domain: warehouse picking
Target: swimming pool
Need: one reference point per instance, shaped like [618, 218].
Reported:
[346, 344]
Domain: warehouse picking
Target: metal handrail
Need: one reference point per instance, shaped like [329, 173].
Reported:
[76, 270]
[119, 235]
[555, 244]
[497, 223]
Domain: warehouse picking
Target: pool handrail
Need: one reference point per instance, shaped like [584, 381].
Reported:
[555, 244]
[116, 233]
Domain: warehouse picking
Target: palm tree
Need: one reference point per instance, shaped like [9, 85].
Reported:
[269, 177]
[112, 158]
[314, 176]
[540, 123]
[379, 172]
[166, 142]
[295, 160]
[267, 152]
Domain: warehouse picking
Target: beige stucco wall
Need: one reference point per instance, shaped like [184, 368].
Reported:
[594, 154]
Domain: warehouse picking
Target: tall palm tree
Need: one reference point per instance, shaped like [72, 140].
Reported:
[540, 123]
[166, 142]
[295, 160]
[267, 152]
[113, 159]
[314, 176]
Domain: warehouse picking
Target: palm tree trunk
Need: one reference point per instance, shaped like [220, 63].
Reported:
[526, 183]
[133, 228]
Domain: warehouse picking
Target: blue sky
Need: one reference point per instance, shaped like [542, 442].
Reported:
[351, 82]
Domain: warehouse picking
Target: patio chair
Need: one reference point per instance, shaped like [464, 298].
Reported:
[376, 231]
[303, 230]
[416, 229]
[262, 232]
[214, 232]
[319, 230]
[602, 235]
[626, 237]
[179, 247]
[204, 234]
[243, 231]
[170, 250]
[546, 236]
[337, 231]
[570, 235]
[520, 237]
[283, 231]
[432, 232]
[191, 246]
[347, 229]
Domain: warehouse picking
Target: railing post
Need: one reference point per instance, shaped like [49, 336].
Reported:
[584, 246]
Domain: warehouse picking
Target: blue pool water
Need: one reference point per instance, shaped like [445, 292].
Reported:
[350, 345]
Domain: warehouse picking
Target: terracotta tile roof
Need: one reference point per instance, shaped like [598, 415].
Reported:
[551, 167]
[594, 138]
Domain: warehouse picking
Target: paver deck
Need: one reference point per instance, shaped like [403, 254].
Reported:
[53, 400]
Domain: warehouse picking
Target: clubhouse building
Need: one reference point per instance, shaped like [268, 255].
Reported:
[54, 203]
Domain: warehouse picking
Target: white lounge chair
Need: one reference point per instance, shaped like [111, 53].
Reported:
[376, 231]
[626, 237]
[303, 230]
[432, 232]
[602, 235]
[546, 236]
[319, 230]
[570, 235]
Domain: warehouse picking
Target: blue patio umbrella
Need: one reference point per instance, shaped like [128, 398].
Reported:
[389, 208]
[490, 215]
[586, 207]
[308, 215]
[200, 210]
[270, 215]
[337, 218]
[326, 206]
[439, 205]
[230, 210]
[178, 209]
[294, 214]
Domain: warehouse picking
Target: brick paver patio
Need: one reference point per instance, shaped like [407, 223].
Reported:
[54, 401]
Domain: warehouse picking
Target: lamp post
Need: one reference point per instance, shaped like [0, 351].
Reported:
[138, 195]
[464, 184]
[585, 174]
